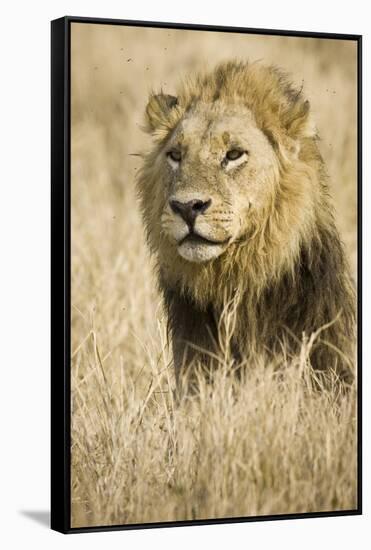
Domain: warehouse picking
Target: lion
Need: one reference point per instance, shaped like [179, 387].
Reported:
[235, 201]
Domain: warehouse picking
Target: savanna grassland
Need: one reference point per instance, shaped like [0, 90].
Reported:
[264, 443]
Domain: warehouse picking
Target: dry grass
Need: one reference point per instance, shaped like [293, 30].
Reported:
[265, 444]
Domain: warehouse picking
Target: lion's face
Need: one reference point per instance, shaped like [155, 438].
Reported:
[229, 189]
[219, 169]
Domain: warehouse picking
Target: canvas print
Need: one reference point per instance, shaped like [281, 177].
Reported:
[213, 275]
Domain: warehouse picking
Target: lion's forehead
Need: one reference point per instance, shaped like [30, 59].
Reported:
[216, 130]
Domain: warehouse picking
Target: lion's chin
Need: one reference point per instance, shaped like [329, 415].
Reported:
[199, 252]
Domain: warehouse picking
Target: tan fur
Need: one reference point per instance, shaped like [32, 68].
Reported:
[283, 257]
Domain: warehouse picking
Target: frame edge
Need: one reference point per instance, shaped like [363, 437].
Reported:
[60, 379]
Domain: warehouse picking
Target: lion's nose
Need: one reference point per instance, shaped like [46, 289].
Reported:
[189, 210]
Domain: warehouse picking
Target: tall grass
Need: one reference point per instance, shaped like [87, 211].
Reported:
[263, 442]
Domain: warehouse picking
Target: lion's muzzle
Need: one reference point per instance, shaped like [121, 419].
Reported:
[191, 222]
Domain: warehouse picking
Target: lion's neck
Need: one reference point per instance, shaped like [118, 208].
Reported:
[267, 311]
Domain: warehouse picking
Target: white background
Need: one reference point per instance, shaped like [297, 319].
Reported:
[24, 273]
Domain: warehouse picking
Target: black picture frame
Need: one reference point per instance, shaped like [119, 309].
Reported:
[61, 269]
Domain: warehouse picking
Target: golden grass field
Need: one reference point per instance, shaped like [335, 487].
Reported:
[258, 445]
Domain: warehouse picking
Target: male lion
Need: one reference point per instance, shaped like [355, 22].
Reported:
[235, 202]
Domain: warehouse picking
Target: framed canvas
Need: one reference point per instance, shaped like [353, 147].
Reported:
[206, 274]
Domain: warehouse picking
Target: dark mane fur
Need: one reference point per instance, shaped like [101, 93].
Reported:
[318, 293]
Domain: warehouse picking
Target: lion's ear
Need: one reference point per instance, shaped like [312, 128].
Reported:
[158, 110]
[300, 123]
[297, 124]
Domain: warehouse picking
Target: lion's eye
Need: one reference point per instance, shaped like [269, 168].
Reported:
[175, 155]
[234, 154]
